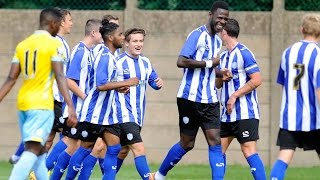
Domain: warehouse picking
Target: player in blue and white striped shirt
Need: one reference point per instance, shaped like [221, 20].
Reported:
[96, 115]
[299, 75]
[58, 125]
[240, 113]
[99, 47]
[197, 97]
[130, 108]
[99, 149]
[78, 82]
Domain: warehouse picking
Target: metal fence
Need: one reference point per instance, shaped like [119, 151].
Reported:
[302, 5]
[235, 5]
[66, 4]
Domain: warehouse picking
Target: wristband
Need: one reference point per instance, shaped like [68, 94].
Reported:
[209, 64]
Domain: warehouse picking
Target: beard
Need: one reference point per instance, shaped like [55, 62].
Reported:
[213, 27]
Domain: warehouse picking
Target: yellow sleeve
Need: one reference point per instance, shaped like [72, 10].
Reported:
[15, 58]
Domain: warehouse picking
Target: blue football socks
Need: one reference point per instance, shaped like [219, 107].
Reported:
[278, 170]
[87, 169]
[142, 167]
[110, 162]
[257, 167]
[173, 157]
[119, 164]
[60, 167]
[54, 154]
[216, 162]
[101, 160]
[75, 163]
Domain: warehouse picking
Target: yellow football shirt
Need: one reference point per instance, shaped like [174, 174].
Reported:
[35, 54]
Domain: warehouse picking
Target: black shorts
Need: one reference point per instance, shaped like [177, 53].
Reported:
[91, 132]
[293, 139]
[71, 132]
[130, 133]
[244, 130]
[193, 115]
[58, 123]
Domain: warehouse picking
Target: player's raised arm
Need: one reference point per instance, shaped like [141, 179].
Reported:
[115, 85]
[184, 62]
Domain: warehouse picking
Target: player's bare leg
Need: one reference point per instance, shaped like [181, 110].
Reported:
[137, 149]
[187, 142]
[124, 152]
[248, 148]
[225, 142]
[50, 140]
[286, 155]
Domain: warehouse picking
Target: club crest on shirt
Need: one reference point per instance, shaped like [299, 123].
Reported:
[234, 65]
[142, 82]
[235, 76]
[126, 71]
[207, 47]
[80, 48]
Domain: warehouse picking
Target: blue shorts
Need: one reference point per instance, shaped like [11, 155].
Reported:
[35, 125]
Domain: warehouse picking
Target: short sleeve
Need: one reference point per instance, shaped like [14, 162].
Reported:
[102, 72]
[15, 58]
[190, 46]
[58, 51]
[281, 71]
[250, 63]
[74, 69]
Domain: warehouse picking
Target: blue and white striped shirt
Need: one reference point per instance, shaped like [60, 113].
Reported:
[97, 107]
[242, 63]
[131, 107]
[198, 84]
[79, 70]
[299, 74]
[66, 58]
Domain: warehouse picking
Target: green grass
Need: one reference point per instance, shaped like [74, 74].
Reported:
[194, 172]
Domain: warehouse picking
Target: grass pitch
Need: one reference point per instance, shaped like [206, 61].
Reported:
[193, 172]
